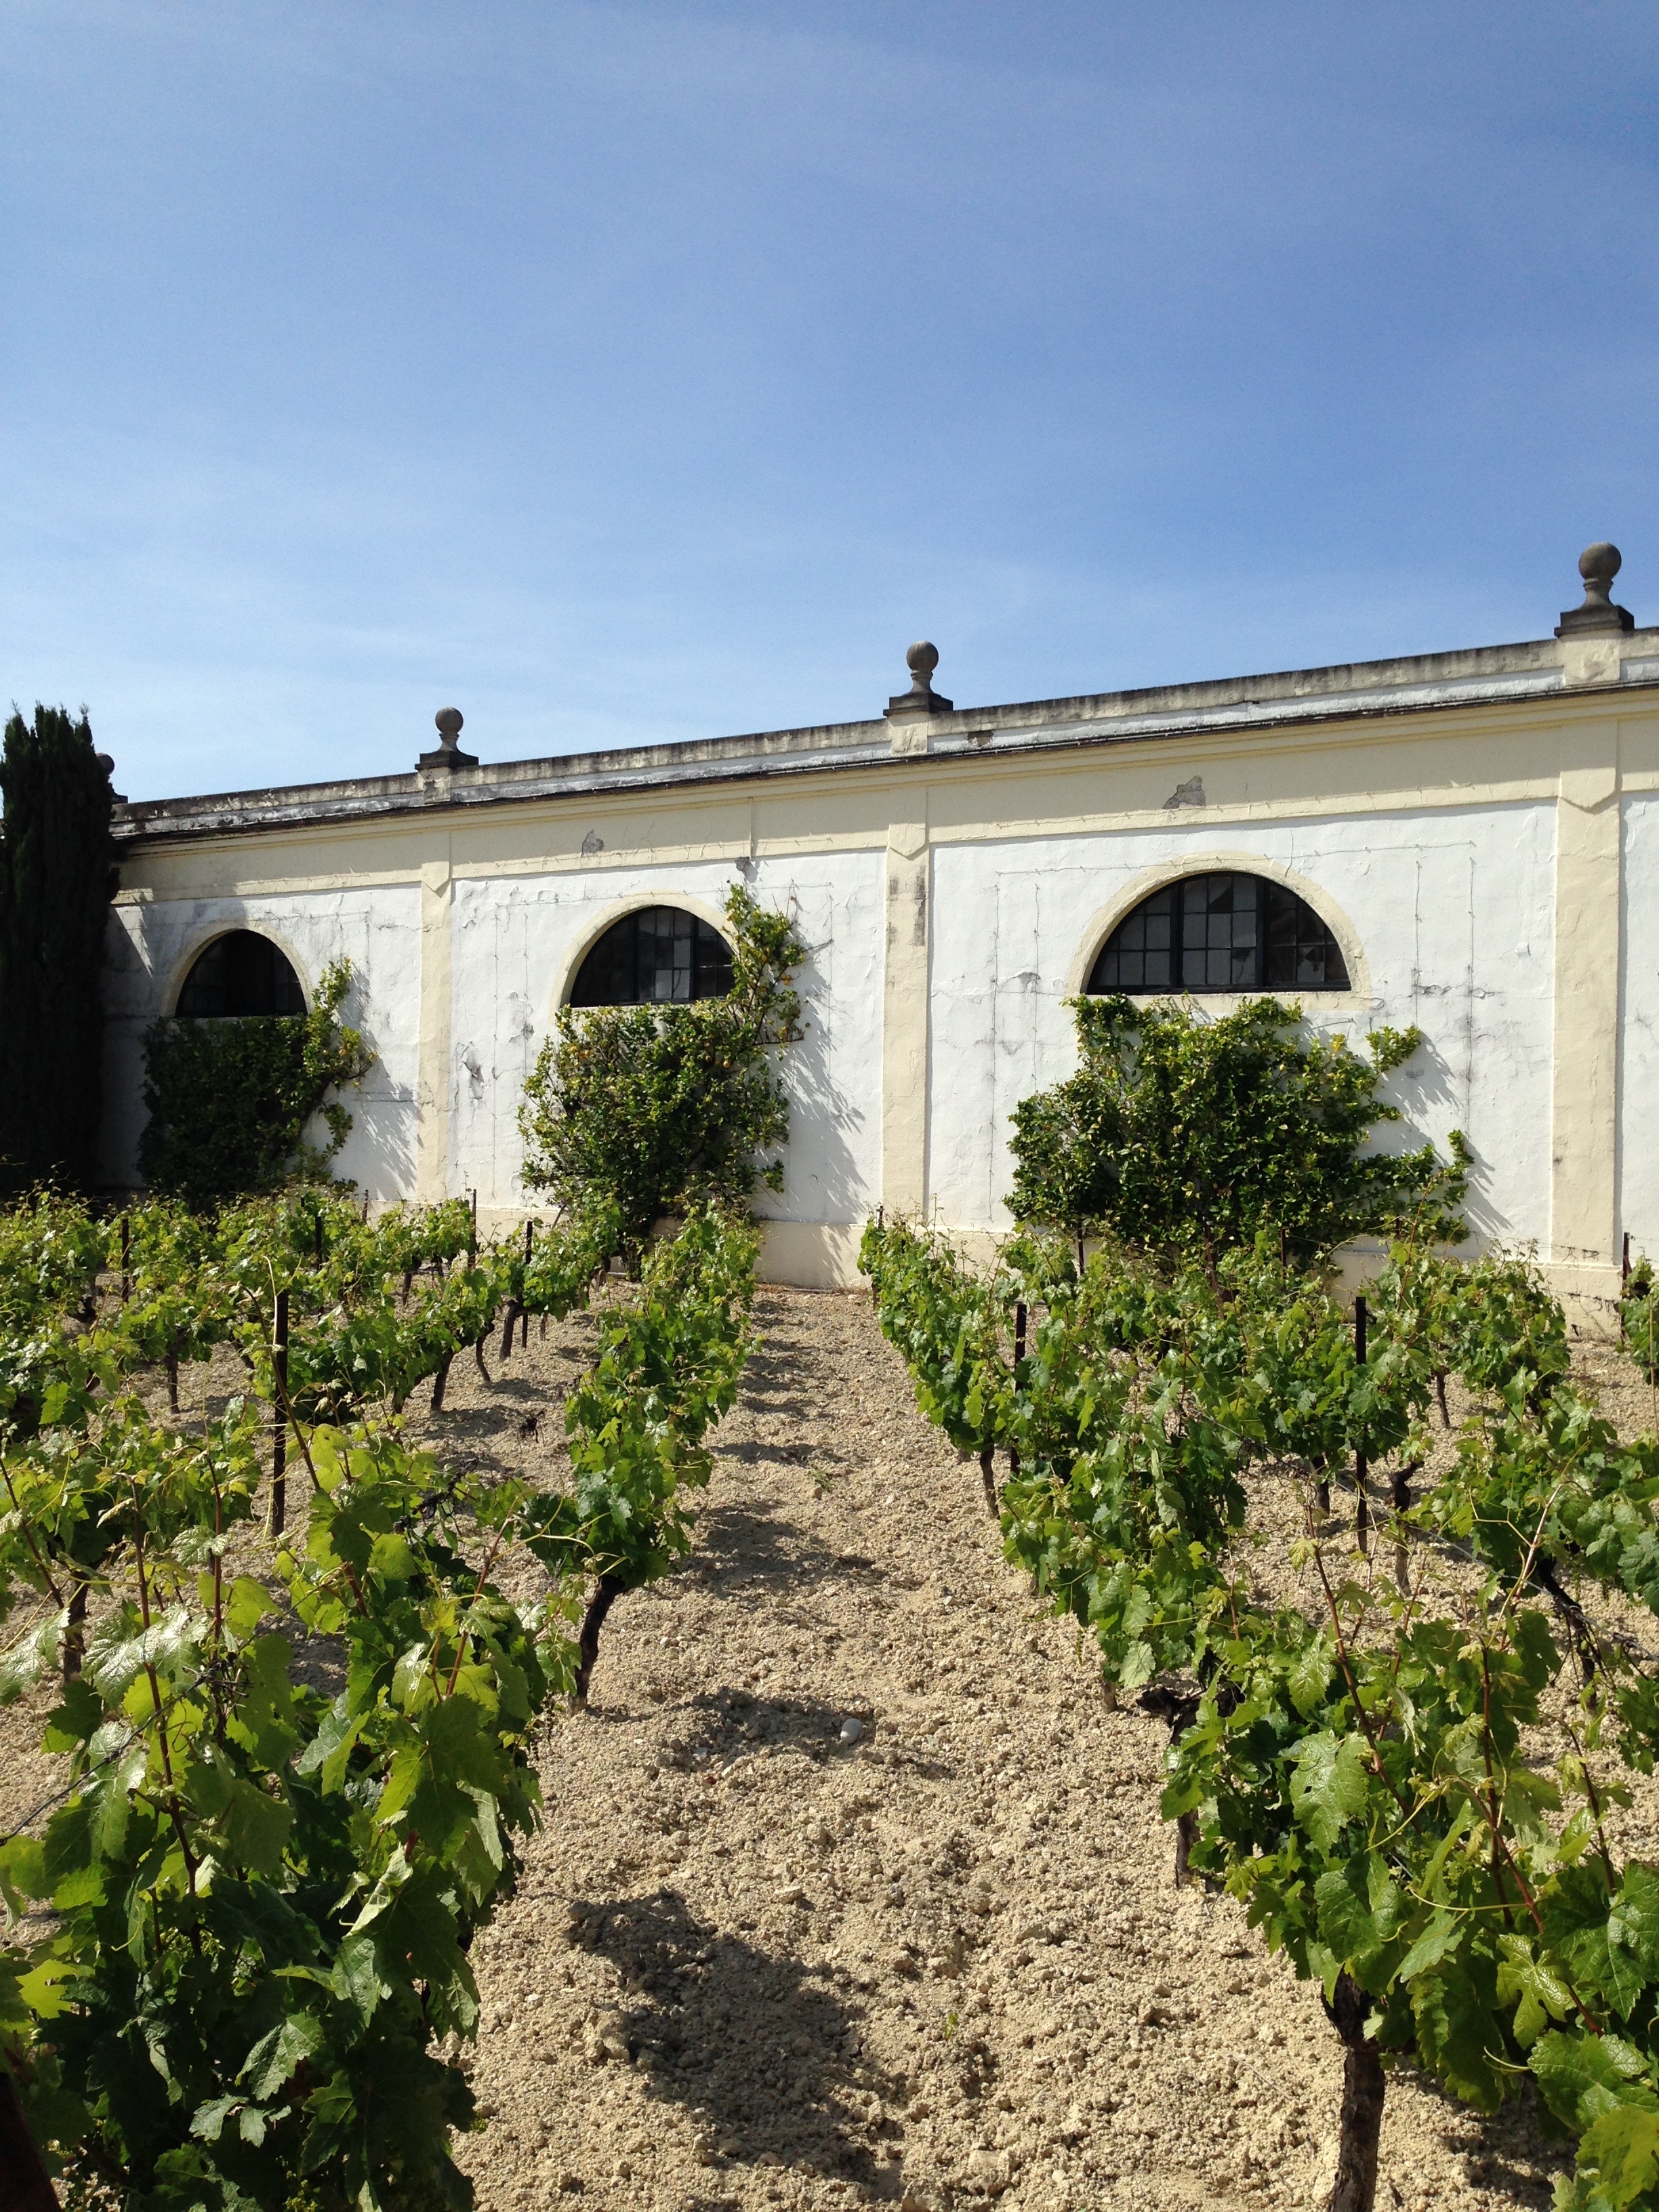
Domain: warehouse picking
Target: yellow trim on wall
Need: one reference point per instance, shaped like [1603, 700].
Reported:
[906, 1018]
[1584, 1086]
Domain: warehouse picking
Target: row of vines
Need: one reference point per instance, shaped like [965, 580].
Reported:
[299, 1743]
[1397, 1732]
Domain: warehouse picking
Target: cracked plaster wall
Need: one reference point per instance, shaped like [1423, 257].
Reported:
[152, 944]
[1453, 909]
[516, 939]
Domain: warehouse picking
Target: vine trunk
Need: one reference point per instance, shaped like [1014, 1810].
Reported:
[1354, 2188]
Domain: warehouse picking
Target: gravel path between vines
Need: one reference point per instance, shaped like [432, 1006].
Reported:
[750, 1964]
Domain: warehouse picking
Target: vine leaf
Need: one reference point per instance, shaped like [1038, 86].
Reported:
[1538, 1994]
[1440, 1936]
[264, 1724]
[356, 1976]
[1328, 1786]
[22, 1872]
[1453, 2007]
[1580, 2074]
[1360, 1910]
[1580, 1920]
[273, 2058]
[70, 1723]
[1309, 1677]
[208, 2120]
[1622, 2147]
[1633, 1922]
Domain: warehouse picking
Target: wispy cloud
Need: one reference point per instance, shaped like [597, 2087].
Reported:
[625, 371]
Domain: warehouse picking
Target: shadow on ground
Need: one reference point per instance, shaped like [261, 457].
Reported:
[720, 1723]
[739, 1541]
[758, 2047]
[772, 1380]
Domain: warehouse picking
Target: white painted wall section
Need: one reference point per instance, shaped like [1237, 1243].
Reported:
[152, 945]
[1452, 910]
[516, 940]
[1638, 1028]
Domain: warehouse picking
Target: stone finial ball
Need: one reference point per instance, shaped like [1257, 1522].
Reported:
[1601, 561]
[448, 721]
[922, 659]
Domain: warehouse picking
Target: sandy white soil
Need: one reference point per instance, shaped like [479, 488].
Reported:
[751, 1963]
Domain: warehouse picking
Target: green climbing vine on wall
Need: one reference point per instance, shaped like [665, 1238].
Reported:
[655, 1109]
[230, 1101]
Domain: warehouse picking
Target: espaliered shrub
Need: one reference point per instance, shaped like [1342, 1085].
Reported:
[654, 1110]
[1182, 1136]
[229, 1100]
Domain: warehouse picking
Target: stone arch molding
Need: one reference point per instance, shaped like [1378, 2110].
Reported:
[187, 959]
[1356, 999]
[617, 910]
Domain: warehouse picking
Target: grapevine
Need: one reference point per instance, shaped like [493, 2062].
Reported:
[1353, 1766]
[255, 1987]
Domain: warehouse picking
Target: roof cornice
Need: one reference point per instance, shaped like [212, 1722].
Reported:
[1483, 675]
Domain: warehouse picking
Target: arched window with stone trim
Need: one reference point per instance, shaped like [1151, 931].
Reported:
[1225, 931]
[656, 956]
[240, 973]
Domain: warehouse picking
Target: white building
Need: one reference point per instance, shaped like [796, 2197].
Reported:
[1472, 836]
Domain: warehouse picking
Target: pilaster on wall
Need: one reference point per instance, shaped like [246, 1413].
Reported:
[1584, 1119]
[432, 1095]
[905, 1019]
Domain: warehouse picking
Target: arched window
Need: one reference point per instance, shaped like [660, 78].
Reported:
[240, 973]
[658, 956]
[1221, 932]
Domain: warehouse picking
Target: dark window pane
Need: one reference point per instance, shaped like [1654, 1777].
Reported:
[241, 974]
[1302, 954]
[1136, 956]
[1220, 932]
[663, 975]
[712, 968]
[660, 956]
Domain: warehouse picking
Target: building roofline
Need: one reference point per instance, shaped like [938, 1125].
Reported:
[1414, 683]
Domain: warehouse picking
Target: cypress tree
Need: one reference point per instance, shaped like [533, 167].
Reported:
[57, 876]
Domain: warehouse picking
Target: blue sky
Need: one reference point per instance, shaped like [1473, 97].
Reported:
[630, 372]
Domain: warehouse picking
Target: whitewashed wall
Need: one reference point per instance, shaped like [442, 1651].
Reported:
[1453, 910]
[515, 939]
[1638, 1026]
[152, 946]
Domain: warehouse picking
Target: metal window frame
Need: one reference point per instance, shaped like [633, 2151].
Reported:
[632, 925]
[1179, 985]
[279, 964]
